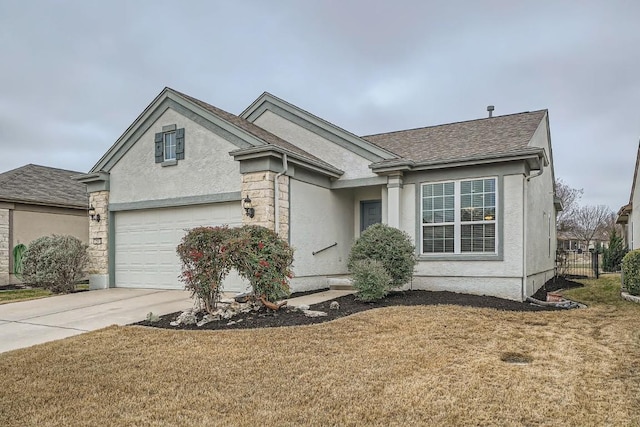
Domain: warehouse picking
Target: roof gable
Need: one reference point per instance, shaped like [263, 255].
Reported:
[483, 138]
[315, 124]
[42, 185]
[238, 131]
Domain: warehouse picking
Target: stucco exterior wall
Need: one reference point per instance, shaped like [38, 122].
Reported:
[320, 217]
[541, 219]
[501, 278]
[29, 225]
[353, 165]
[4, 246]
[633, 229]
[206, 169]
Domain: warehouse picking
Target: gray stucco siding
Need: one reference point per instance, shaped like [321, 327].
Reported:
[207, 168]
[354, 165]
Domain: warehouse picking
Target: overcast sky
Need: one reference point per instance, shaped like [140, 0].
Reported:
[75, 74]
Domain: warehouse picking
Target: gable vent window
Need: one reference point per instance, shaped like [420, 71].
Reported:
[169, 145]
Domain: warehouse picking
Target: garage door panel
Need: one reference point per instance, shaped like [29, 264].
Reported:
[146, 241]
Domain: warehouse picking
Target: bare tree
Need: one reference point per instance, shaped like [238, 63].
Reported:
[569, 197]
[588, 221]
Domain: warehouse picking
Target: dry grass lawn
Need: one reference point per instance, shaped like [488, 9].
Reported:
[397, 366]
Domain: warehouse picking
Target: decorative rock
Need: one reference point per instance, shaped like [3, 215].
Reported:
[207, 319]
[313, 313]
[303, 307]
[152, 317]
[185, 318]
[335, 305]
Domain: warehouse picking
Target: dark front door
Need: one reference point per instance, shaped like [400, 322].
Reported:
[370, 213]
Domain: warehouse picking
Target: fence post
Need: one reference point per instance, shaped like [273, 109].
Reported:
[594, 262]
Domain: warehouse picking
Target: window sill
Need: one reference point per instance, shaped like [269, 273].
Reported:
[460, 257]
[169, 163]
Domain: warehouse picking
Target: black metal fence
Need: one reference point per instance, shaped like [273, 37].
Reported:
[578, 264]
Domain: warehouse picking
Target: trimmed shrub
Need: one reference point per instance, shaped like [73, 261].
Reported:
[390, 246]
[631, 271]
[370, 279]
[55, 263]
[264, 259]
[206, 261]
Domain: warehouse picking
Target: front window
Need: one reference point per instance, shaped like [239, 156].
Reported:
[459, 217]
[169, 146]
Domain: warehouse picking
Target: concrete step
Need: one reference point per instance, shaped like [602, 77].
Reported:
[340, 283]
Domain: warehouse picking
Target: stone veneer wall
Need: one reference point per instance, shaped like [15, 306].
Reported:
[259, 186]
[99, 249]
[4, 246]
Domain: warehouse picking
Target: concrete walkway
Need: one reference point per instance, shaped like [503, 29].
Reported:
[26, 323]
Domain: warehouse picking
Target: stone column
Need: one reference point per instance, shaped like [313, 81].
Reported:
[260, 187]
[4, 246]
[99, 241]
[394, 190]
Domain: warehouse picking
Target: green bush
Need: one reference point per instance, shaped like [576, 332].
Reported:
[55, 263]
[264, 259]
[614, 253]
[205, 262]
[370, 279]
[391, 247]
[631, 271]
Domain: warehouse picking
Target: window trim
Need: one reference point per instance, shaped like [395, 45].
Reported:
[468, 256]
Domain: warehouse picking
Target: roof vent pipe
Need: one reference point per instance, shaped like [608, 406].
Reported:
[490, 109]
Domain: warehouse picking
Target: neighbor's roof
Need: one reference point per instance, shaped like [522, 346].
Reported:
[494, 136]
[42, 185]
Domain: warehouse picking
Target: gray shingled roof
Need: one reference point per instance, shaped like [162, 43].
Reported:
[43, 185]
[495, 136]
[254, 130]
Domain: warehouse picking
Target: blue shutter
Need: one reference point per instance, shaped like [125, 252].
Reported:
[159, 148]
[180, 144]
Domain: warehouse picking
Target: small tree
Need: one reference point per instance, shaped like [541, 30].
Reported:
[588, 221]
[569, 197]
[390, 246]
[205, 263]
[613, 254]
[55, 263]
[264, 259]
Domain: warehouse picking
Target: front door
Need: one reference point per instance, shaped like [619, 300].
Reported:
[370, 213]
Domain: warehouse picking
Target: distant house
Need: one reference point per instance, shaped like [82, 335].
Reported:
[38, 201]
[628, 217]
[476, 197]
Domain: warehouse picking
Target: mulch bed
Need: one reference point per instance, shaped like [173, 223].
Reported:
[349, 305]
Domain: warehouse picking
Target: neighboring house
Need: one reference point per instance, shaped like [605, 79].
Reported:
[629, 218]
[476, 197]
[38, 201]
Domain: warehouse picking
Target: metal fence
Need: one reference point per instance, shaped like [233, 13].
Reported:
[578, 264]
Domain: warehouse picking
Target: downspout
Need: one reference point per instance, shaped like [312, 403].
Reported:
[525, 228]
[276, 201]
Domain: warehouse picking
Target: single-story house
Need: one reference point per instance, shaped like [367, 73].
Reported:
[476, 197]
[627, 216]
[38, 201]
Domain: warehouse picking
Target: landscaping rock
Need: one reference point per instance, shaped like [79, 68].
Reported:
[187, 317]
[335, 305]
[314, 313]
[208, 318]
[302, 307]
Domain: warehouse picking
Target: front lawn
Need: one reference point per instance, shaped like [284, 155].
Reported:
[421, 365]
[22, 295]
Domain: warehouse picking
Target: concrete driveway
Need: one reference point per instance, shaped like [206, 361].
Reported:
[26, 323]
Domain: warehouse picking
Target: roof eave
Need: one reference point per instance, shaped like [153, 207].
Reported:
[294, 158]
[535, 158]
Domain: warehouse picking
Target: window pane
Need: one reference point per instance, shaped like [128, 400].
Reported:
[477, 215]
[449, 189]
[490, 199]
[465, 187]
[490, 185]
[437, 189]
[465, 201]
[438, 203]
[465, 215]
[449, 216]
[449, 202]
[427, 204]
[438, 216]
[477, 201]
[427, 190]
[478, 186]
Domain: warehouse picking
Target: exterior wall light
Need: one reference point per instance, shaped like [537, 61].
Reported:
[248, 207]
[92, 213]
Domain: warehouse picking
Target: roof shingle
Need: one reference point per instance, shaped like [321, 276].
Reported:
[43, 185]
[463, 140]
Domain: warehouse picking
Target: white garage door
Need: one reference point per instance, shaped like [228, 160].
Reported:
[146, 241]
